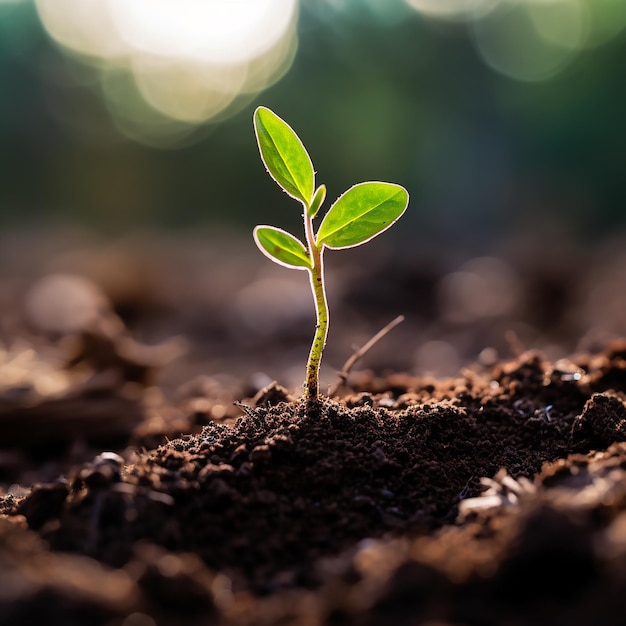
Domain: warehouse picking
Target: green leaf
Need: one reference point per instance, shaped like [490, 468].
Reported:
[361, 213]
[318, 200]
[282, 247]
[284, 155]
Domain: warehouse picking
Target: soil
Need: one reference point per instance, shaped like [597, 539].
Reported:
[494, 497]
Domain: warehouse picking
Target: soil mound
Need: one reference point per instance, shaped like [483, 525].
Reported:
[416, 498]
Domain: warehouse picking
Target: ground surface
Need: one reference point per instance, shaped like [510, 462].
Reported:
[494, 497]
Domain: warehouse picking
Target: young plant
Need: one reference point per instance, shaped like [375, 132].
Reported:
[361, 213]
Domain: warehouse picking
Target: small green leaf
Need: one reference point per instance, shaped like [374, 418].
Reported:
[318, 200]
[282, 247]
[284, 155]
[361, 213]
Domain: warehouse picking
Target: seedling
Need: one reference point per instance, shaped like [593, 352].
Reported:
[361, 213]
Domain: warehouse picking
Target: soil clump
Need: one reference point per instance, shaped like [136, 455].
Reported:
[496, 497]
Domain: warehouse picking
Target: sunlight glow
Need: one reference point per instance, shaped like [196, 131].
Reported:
[216, 32]
[190, 60]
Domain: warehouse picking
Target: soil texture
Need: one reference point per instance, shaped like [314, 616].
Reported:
[498, 497]
[141, 484]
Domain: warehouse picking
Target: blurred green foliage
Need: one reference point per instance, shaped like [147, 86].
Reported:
[376, 95]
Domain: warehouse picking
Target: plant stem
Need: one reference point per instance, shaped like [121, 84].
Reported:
[311, 384]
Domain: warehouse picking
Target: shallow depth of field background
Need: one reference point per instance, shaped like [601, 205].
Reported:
[127, 155]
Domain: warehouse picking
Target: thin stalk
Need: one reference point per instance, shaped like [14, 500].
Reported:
[311, 384]
[360, 353]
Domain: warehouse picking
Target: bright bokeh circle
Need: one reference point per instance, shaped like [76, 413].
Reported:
[452, 9]
[190, 61]
[531, 40]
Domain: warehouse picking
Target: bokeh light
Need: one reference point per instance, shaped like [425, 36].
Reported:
[452, 9]
[167, 67]
[531, 40]
[607, 18]
[482, 288]
[437, 358]
[217, 32]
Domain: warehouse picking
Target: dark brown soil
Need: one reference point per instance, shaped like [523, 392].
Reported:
[133, 499]
[375, 509]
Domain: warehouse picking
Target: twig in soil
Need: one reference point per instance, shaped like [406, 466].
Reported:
[248, 410]
[256, 415]
[359, 353]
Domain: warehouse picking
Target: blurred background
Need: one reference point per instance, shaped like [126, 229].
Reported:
[127, 157]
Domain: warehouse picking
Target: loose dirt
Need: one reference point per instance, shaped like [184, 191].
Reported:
[141, 490]
[494, 498]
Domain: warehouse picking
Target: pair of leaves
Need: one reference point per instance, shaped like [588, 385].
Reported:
[361, 213]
